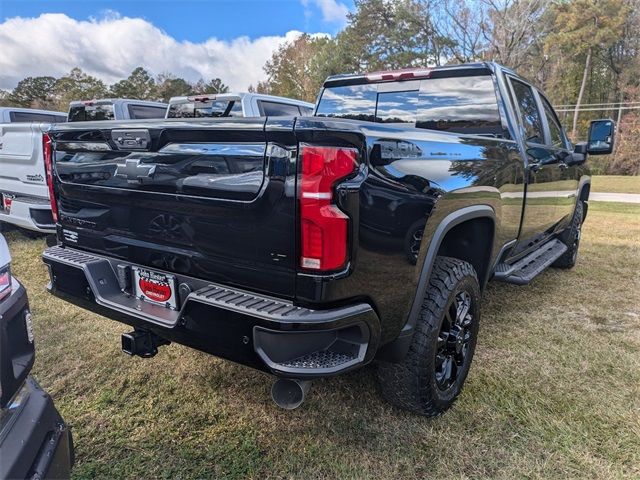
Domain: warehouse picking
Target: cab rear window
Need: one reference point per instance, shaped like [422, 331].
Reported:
[216, 108]
[140, 112]
[86, 113]
[453, 104]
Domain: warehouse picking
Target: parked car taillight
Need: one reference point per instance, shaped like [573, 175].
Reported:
[47, 152]
[5, 282]
[324, 227]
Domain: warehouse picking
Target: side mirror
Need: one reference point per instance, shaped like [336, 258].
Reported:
[601, 136]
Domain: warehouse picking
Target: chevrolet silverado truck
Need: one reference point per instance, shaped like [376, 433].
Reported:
[24, 198]
[35, 442]
[310, 246]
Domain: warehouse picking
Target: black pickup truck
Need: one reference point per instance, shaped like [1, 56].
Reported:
[35, 442]
[310, 246]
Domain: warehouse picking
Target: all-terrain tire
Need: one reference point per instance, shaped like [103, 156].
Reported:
[571, 238]
[418, 382]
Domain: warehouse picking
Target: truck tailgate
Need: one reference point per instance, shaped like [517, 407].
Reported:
[209, 199]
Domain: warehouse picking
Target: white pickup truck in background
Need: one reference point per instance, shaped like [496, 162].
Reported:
[237, 105]
[24, 196]
[115, 109]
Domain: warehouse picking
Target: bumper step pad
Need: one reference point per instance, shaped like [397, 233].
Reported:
[526, 269]
[323, 359]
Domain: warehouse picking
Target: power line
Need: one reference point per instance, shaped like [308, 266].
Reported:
[596, 109]
[571, 105]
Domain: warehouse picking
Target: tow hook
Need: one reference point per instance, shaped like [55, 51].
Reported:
[142, 343]
[289, 393]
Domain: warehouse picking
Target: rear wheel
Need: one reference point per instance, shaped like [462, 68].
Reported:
[571, 238]
[430, 377]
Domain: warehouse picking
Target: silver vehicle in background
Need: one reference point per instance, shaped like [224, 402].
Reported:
[237, 105]
[115, 109]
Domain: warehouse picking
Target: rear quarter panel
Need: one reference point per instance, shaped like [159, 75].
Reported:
[409, 177]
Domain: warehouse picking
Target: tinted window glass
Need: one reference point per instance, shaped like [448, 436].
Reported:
[60, 118]
[397, 107]
[529, 114]
[215, 108]
[23, 117]
[557, 138]
[275, 109]
[81, 113]
[460, 104]
[357, 102]
[456, 104]
[236, 109]
[306, 111]
[146, 111]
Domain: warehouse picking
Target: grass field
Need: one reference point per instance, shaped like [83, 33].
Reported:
[615, 184]
[554, 391]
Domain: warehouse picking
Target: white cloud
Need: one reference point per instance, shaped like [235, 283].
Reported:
[112, 46]
[332, 10]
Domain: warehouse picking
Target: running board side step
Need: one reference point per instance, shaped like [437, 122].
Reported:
[529, 267]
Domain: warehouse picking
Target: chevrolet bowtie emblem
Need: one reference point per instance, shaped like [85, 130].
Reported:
[135, 172]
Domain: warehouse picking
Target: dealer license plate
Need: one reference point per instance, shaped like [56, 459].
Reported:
[155, 287]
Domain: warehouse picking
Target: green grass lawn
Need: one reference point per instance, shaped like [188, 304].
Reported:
[615, 184]
[554, 391]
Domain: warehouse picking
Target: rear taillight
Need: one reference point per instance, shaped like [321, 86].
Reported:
[5, 282]
[47, 153]
[324, 227]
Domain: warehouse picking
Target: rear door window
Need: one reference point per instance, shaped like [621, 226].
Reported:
[140, 112]
[24, 117]
[85, 113]
[529, 114]
[306, 111]
[276, 109]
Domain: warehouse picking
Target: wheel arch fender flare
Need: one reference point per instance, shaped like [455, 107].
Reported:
[398, 348]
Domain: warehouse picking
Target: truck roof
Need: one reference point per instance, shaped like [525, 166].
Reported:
[413, 73]
[240, 96]
[113, 101]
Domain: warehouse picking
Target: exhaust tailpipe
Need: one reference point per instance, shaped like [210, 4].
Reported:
[289, 393]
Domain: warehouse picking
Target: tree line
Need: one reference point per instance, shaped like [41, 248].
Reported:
[55, 93]
[582, 53]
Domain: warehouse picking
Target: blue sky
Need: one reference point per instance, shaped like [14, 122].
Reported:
[194, 20]
[230, 39]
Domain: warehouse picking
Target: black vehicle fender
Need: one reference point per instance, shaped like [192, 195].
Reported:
[397, 349]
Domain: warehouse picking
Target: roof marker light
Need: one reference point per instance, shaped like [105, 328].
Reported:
[404, 74]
